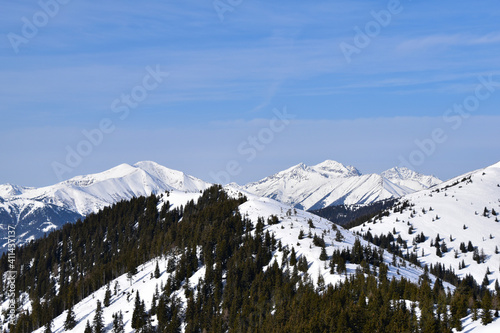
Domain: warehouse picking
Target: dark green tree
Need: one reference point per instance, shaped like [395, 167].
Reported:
[97, 323]
[107, 297]
[88, 328]
[118, 326]
[139, 314]
[338, 236]
[157, 271]
[486, 316]
[323, 256]
[293, 257]
[70, 321]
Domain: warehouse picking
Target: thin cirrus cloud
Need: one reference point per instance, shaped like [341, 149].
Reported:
[440, 41]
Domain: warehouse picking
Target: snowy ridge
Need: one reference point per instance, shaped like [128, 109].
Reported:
[34, 210]
[463, 209]
[331, 183]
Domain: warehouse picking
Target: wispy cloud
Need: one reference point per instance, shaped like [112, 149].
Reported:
[442, 41]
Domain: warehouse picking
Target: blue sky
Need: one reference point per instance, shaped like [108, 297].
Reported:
[373, 109]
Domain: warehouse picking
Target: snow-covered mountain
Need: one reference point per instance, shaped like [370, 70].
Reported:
[35, 211]
[290, 223]
[463, 209]
[331, 183]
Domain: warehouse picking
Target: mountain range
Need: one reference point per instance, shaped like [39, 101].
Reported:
[36, 211]
[332, 183]
[407, 235]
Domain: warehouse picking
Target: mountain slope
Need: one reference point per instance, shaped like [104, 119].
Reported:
[331, 183]
[460, 210]
[35, 211]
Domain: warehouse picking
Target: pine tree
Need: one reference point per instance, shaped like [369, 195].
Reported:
[118, 326]
[301, 234]
[458, 310]
[293, 257]
[70, 321]
[475, 314]
[444, 249]
[138, 316]
[323, 256]
[88, 328]
[302, 264]
[339, 237]
[98, 323]
[486, 281]
[157, 271]
[341, 267]
[438, 252]
[107, 297]
[462, 247]
[154, 301]
[321, 282]
[486, 317]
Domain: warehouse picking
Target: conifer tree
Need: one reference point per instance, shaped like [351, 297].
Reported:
[341, 267]
[293, 257]
[323, 256]
[154, 301]
[486, 316]
[438, 252]
[118, 326]
[475, 314]
[70, 321]
[302, 264]
[107, 297]
[444, 248]
[462, 247]
[157, 271]
[98, 321]
[88, 328]
[486, 282]
[138, 316]
[458, 310]
[301, 234]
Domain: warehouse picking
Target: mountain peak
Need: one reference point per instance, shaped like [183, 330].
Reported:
[337, 167]
[8, 190]
[402, 173]
[148, 165]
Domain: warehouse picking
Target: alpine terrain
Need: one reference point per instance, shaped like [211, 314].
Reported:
[222, 259]
[331, 183]
[36, 211]
[454, 225]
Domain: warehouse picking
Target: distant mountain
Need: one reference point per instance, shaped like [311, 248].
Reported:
[332, 183]
[35, 211]
[463, 209]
